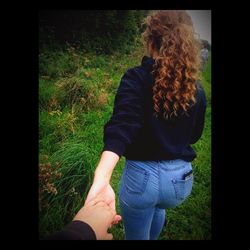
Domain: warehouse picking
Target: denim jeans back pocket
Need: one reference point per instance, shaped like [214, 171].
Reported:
[135, 179]
[183, 188]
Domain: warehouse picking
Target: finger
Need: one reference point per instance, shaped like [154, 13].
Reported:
[89, 198]
[90, 202]
[101, 203]
[109, 237]
[116, 219]
[91, 194]
[112, 212]
[112, 204]
[95, 201]
[108, 200]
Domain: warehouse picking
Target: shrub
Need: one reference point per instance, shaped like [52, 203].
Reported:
[76, 91]
[48, 173]
[69, 171]
[58, 63]
[46, 94]
[59, 125]
[100, 30]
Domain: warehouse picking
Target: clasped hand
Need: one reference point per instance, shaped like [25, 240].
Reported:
[101, 192]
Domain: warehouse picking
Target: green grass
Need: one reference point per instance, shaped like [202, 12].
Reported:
[76, 95]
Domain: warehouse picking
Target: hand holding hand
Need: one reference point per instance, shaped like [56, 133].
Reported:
[99, 216]
[102, 190]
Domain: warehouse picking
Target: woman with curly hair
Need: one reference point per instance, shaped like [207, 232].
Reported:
[158, 113]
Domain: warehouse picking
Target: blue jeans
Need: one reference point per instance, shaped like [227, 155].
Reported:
[147, 188]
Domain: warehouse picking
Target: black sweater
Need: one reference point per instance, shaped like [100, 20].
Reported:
[134, 132]
[75, 230]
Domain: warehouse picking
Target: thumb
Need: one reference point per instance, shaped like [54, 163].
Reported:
[91, 195]
[117, 219]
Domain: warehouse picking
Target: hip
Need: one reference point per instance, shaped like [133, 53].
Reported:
[165, 183]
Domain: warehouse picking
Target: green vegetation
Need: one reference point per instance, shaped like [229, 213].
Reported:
[102, 31]
[76, 95]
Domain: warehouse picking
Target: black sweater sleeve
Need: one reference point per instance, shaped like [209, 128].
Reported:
[127, 118]
[75, 230]
[200, 116]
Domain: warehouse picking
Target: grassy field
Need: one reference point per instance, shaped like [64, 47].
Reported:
[76, 95]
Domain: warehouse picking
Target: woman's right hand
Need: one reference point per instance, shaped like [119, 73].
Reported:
[101, 189]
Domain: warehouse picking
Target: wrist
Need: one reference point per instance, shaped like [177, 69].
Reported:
[103, 175]
[106, 166]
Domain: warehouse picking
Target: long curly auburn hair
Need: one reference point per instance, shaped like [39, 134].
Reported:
[176, 69]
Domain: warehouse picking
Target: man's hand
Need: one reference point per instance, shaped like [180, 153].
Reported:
[102, 190]
[99, 216]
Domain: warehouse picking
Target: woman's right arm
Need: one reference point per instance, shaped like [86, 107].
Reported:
[102, 177]
[101, 185]
[126, 121]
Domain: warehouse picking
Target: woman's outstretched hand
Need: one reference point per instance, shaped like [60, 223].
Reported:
[102, 190]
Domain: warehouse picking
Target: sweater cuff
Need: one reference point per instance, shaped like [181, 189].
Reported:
[75, 230]
[115, 146]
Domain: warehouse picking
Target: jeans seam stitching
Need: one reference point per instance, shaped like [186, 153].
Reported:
[159, 183]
